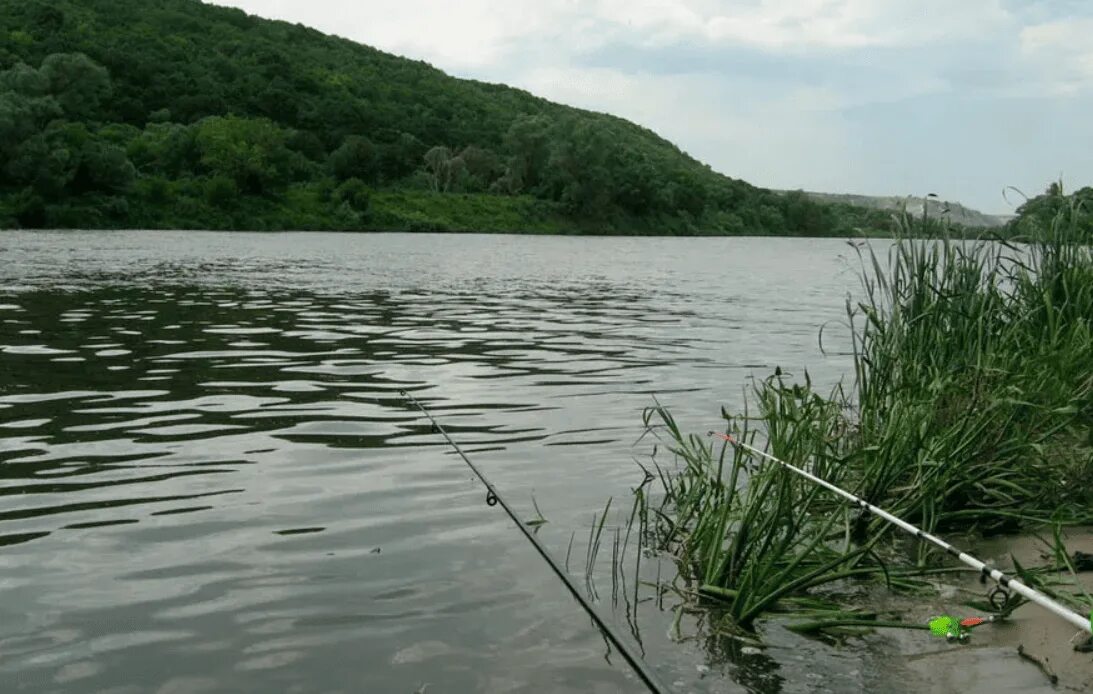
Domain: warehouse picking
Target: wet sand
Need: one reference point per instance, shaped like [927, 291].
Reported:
[990, 661]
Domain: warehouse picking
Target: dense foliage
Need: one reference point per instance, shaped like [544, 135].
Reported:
[173, 113]
[1038, 213]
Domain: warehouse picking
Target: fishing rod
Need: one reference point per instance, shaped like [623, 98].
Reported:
[1006, 582]
[493, 498]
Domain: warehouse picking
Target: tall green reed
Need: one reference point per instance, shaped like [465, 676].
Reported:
[973, 377]
[971, 389]
[746, 533]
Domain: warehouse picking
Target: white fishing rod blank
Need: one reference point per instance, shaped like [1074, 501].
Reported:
[1033, 595]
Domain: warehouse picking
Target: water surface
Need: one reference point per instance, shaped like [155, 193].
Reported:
[210, 482]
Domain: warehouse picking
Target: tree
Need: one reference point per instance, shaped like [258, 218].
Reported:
[443, 168]
[60, 157]
[802, 215]
[21, 117]
[78, 83]
[771, 220]
[167, 149]
[578, 171]
[45, 19]
[1036, 216]
[29, 209]
[636, 189]
[528, 139]
[483, 167]
[356, 158]
[400, 157]
[25, 80]
[457, 173]
[221, 192]
[250, 151]
[50, 160]
[107, 168]
[308, 144]
[354, 194]
[276, 101]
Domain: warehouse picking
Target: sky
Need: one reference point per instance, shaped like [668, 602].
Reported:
[963, 98]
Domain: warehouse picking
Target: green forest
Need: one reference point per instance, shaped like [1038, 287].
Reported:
[1037, 213]
[175, 114]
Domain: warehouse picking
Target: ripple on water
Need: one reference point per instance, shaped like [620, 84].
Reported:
[271, 515]
[33, 350]
[24, 424]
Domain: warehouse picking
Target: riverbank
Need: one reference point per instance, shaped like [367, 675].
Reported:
[970, 409]
[325, 206]
[192, 204]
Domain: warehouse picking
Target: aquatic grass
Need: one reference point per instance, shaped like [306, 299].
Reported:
[1071, 590]
[844, 621]
[745, 533]
[971, 406]
[972, 378]
[972, 364]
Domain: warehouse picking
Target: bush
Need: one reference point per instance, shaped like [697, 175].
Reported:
[221, 191]
[354, 193]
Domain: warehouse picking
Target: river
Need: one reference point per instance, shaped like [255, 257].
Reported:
[210, 482]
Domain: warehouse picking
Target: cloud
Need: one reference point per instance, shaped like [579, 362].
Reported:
[728, 125]
[460, 36]
[874, 96]
[1063, 51]
[804, 25]
[473, 33]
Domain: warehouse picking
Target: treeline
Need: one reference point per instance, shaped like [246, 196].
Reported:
[172, 113]
[1038, 213]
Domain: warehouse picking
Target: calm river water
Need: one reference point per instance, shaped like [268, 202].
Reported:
[208, 480]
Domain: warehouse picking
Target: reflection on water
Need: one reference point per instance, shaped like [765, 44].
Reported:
[210, 483]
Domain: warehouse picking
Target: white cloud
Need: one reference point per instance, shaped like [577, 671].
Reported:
[802, 25]
[1063, 51]
[779, 91]
[467, 34]
[475, 33]
[765, 140]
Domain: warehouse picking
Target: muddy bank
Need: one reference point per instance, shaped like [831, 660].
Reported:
[990, 661]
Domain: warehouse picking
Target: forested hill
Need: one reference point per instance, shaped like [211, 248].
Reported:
[173, 113]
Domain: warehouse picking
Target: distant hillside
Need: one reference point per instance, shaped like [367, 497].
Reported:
[955, 211]
[174, 113]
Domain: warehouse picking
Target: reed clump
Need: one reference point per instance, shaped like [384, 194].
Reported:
[970, 407]
[973, 391]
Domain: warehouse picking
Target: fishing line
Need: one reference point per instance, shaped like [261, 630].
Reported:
[494, 498]
[1006, 582]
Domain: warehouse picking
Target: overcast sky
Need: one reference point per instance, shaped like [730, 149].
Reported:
[881, 97]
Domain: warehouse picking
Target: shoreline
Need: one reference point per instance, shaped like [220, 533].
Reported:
[472, 232]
